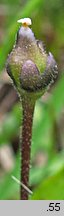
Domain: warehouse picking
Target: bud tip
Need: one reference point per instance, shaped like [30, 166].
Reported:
[25, 22]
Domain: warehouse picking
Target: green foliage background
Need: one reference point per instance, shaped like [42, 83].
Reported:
[48, 24]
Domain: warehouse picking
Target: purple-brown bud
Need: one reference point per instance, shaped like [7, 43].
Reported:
[30, 67]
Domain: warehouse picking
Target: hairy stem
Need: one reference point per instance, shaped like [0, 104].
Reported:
[28, 111]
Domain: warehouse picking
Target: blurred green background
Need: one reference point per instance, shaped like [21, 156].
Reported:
[47, 153]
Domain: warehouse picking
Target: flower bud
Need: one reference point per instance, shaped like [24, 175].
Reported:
[29, 66]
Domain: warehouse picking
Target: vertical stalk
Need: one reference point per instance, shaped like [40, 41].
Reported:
[28, 111]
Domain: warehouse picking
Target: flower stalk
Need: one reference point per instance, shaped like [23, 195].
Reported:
[28, 112]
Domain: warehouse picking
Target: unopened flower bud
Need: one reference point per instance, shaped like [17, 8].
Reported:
[29, 66]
